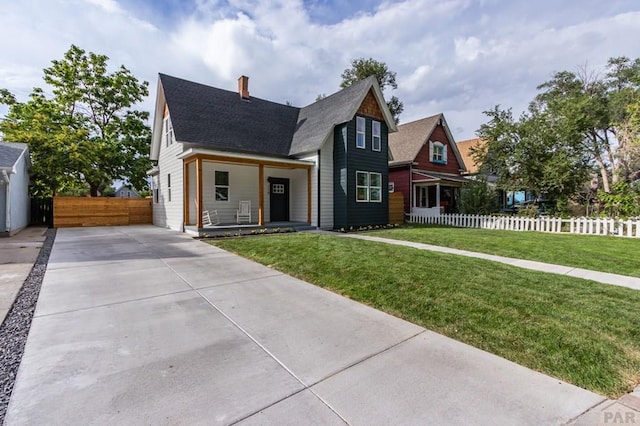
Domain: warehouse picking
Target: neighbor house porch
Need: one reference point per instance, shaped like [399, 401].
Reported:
[277, 190]
[438, 192]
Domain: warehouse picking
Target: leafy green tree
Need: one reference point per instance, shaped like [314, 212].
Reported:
[533, 152]
[363, 68]
[597, 108]
[477, 197]
[87, 131]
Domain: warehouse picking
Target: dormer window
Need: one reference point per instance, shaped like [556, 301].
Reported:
[437, 152]
[167, 131]
[361, 133]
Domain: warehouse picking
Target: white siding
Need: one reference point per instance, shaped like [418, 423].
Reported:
[169, 213]
[3, 206]
[243, 186]
[19, 193]
[326, 185]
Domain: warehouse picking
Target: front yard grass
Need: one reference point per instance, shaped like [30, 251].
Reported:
[579, 331]
[616, 255]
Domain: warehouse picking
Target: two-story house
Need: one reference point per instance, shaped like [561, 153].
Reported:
[325, 165]
[426, 165]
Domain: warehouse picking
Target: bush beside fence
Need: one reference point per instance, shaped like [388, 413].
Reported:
[581, 225]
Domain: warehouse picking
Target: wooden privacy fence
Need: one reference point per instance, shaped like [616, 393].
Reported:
[396, 207]
[580, 225]
[100, 211]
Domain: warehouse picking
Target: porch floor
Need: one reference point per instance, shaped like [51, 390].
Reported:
[225, 228]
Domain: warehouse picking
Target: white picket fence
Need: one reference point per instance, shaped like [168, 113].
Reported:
[579, 225]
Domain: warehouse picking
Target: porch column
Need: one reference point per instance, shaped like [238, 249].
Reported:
[185, 191]
[415, 196]
[437, 195]
[260, 194]
[199, 192]
[309, 195]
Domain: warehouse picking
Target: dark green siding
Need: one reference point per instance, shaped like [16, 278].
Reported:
[347, 159]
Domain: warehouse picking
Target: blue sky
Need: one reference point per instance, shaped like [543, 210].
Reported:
[459, 57]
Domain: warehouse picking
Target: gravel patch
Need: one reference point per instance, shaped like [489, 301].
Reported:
[16, 325]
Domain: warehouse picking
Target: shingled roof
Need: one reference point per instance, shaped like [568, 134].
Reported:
[465, 151]
[223, 120]
[406, 143]
[206, 115]
[10, 152]
[317, 120]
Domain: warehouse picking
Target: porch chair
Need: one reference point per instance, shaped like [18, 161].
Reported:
[244, 211]
[207, 218]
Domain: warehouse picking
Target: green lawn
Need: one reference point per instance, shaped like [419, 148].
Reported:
[576, 330]
[606, 254]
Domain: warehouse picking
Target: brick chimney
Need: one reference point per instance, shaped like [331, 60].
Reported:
[243, 86]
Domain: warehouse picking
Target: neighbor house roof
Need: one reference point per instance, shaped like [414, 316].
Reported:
[223, 120]
[10, 153]
[465, 151]
[407, 142]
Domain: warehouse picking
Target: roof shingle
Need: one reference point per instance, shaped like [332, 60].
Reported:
[10, 152]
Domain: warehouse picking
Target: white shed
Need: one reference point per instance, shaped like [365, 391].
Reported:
[14, 187]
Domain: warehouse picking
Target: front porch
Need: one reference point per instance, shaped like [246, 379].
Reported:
[276, 191]
[435, 192]
[231, 229]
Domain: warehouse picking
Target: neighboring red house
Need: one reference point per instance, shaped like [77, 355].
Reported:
[426, 165]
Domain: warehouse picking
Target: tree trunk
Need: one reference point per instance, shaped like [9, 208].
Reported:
[93, 190]
[604, 173]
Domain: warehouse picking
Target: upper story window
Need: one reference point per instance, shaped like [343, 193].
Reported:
[167, 131]
[361, 133]
[437, 152]
[375, 132]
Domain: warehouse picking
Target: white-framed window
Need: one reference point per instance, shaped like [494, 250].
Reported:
[362, 187]
[375, 135]
[277, 188]
[221, 185]
[368, 187]
[375, 187]
[361, 133]
[437, 152]
[392, 187]
[167, 131]
[169, 187]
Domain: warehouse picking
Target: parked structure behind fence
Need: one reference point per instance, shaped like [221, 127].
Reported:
[100, 211]
[582, 225]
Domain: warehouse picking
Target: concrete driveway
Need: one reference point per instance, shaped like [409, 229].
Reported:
[141, 325]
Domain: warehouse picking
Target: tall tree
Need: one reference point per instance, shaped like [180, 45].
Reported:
[533, 152]
[363, 68]
[597, 108]
[87, 128]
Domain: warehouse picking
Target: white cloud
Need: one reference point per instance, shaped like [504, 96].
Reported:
[459, 57]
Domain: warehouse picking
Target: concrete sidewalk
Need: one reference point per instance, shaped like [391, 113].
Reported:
[17, 256]
[141, 325]
[601, 277]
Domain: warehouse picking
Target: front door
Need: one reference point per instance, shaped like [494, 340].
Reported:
[279, 199]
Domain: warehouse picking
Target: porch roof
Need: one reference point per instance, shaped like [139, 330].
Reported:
[424, 176]
[227, 156]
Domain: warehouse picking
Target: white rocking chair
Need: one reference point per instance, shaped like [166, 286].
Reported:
[207, 219]
[244, 212]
